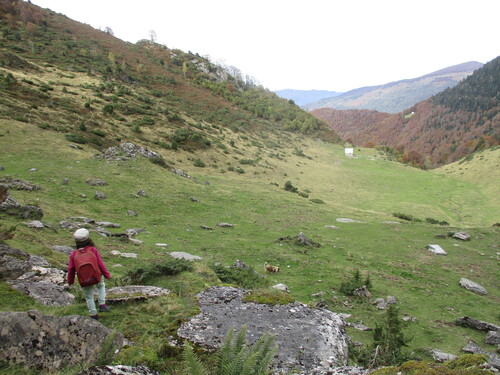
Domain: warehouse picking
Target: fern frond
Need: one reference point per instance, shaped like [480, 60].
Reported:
[225, 354]
[192, 363]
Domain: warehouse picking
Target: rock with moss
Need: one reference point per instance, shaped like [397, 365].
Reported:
[311, 341]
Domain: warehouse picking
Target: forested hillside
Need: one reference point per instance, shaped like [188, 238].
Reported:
[67, 77]
[437, 131]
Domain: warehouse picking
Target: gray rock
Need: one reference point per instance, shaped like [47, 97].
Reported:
[18, 184]
[359, 327]
[241, 265]
[52, 342]
[204, 227]
[35, 224]
[331, 227]
[96, 182]
[493, 358]
[440, 356]
[436, 249]
[347, 220]
[480, 325]
[36, 260]
[141, 193]
[472, 286]
[99, 195]
[119, 370]
[382, 304]
[225, 225]
[194, 199]
[2, 168]
[124, 255]
[13, 262]
[281, 287]
[161, 244]
[134, 293]
[461, 236]
[63, 249]
[65, 181]
[182, 255]
[309, 340]
[47, 293]
[300, 240]
[33, 170]
[131, 213]
[108, 224]
[12, 207]
[362, 292]
[492, 338]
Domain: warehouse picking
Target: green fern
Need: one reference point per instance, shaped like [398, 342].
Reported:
[236, 356]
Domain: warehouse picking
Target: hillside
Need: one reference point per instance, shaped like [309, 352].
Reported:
[397, 96]
[434, 132]
[304, 97]
[226, 152]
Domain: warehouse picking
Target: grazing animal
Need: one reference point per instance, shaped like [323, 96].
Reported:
[271, 269]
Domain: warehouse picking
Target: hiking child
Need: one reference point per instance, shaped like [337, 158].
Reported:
[85, 261]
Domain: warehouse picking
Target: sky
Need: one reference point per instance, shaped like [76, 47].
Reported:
[335, 45]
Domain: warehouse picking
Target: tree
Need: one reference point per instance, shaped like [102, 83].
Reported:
[108, 30]
[152, 36]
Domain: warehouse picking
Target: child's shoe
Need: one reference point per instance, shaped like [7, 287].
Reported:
[103, 308]
[96, 317]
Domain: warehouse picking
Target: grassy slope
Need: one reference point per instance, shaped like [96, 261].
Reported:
[367, 188]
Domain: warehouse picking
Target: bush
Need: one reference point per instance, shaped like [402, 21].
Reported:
[243, 277]
[76, 138]
[316, 200]
[169, 267]
[199, 163]
[431, 220]
[348, 287]
[108, 109]
[406, 217]
[289, 187]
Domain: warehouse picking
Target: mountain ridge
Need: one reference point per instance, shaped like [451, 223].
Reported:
[399, 95]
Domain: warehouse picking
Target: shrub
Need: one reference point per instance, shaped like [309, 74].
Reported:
[199, 163]
[76, 138]
[316, 200]
[168, 267]
[348, 287]
[108, 109]
[243, 277]
[289, 187]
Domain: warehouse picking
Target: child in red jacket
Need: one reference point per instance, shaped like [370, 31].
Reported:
[85, 244]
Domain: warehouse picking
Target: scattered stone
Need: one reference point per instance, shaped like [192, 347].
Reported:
[161, 244]
[18, 184]
[391, 222]
[2, 168]
[204, 227]
[440, 356]
[97, 182]
[65, 181]
[240, 264]
[410, 319]
[134, 293]
[492, 338]
[300, 240]
[362, 292]
[382, 304]
[48, 342]
[468, 322]
[35, 224]
[131, 213]
[225, 225]
[331, 227]
[134, 231]
[11, 207]
[181, 173]
[76, 147]
[119, 370]
[99, 195]
[108, 224]
[319, 294]
[126, 151]
[33, 170]
[186, 256]
[124, 255]
[460, 236]
[194, 199]
[309, 340]
[346, 220]
[436, 249]
[281, 287]
[359, 327]
[141, 193]
[440, 236]
[472, 286]
[135, 241]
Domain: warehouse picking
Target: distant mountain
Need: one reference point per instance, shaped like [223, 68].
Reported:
[436, 131]
[397, 96]
[303, 97]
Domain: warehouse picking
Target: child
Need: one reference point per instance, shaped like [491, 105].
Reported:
[87, 256]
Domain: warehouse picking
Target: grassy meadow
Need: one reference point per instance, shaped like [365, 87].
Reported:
[243, 185]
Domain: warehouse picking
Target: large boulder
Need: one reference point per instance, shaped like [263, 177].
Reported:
[310, 340]
[10, 206]
[480, 325]
[13, 262]
[134, 293]
[119, 370]
[51, 342]
[45, 292]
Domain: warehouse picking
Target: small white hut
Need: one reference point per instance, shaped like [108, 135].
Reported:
[349, 152]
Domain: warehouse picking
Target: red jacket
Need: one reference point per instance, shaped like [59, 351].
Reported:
[72, 269]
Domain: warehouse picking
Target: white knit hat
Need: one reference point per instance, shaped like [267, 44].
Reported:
[81, 234]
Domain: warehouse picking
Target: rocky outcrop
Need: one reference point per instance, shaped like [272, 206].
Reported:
[10, 206]
[127, 151]
[460, 235]
[183, 255]
[480, 325]
[17, 184]
[472, 286]
[128, 293]
[311, 341]
[440, 356]
[45, 292]
[13, 262]
[49, 342]
[300, 240]
[493, 358]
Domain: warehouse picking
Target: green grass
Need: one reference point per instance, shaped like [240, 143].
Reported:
[368, 188]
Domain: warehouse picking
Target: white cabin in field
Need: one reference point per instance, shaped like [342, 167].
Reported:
[349, 152]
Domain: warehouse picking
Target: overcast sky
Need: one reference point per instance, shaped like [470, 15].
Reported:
[335, 45]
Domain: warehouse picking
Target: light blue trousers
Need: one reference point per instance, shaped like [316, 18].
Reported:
[88, 292]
